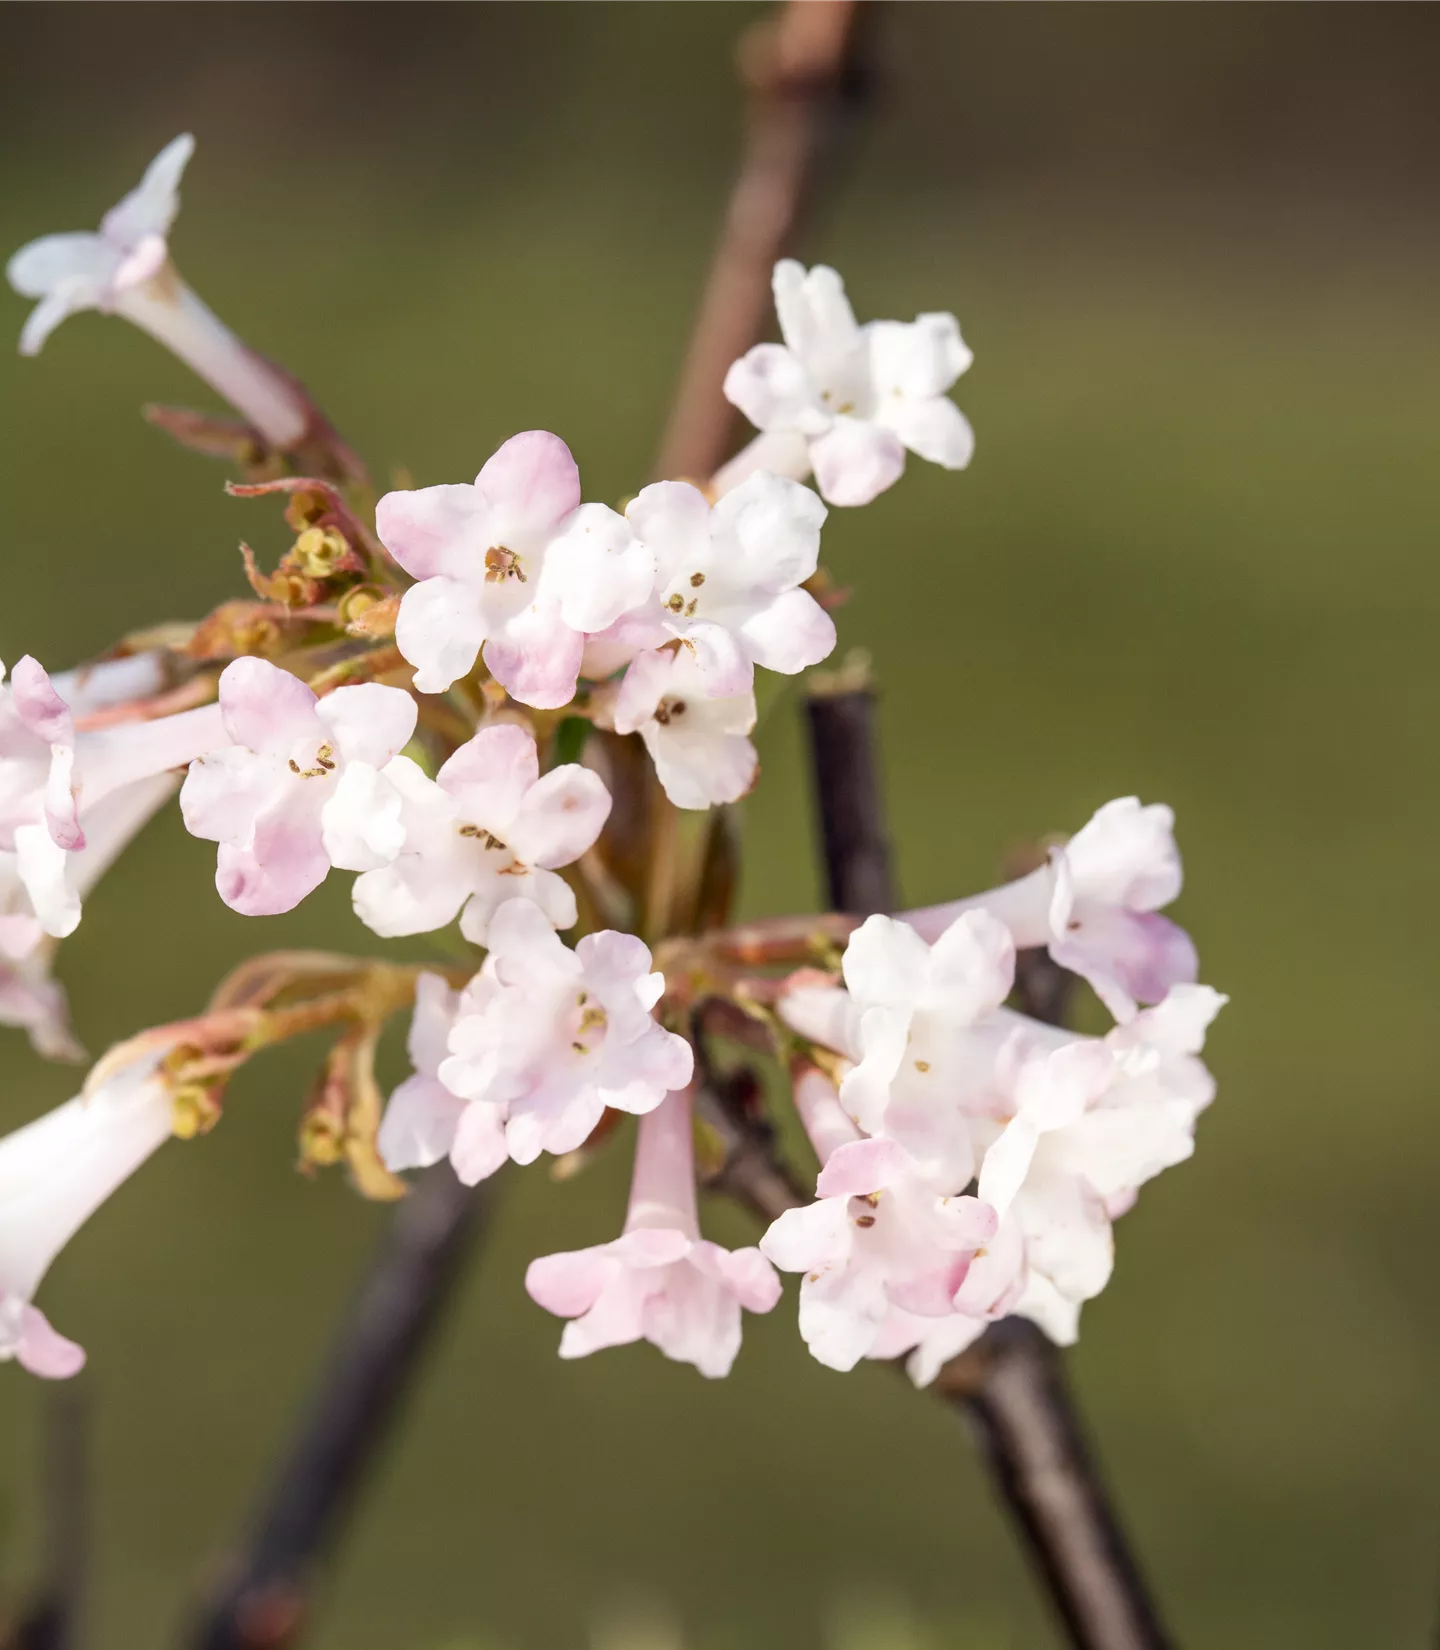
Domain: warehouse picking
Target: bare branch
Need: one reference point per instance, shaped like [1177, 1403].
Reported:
[262, 1601]
[801, 68]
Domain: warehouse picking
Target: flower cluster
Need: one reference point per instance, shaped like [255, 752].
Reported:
[487, 701]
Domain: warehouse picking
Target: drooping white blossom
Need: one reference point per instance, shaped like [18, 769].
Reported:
[660, 1281]
[879, 1240]
[845, 400]
[486, 829]
[299, 786]
[1062, 1129]
[549, 1037]
[54, 1174]
[125, 269]
[1096, 904]
[511, 566]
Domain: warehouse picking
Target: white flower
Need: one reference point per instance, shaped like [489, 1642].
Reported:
[54, 1174]
[299, 787]
[125, 269]
[728, 577]
[879, 1240]
[1095, 904]
[846, 400]
[550, 1037]
[488, 828]
[700, 746]
[660, 1281]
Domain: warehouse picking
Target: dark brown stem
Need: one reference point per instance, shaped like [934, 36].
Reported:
[261, 1603]
[1012, 1384]
[801, 69]
[53, 1620]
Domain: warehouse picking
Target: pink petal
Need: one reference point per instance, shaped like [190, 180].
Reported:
[286, 861]
[266, 708]
[855, 462]
[436, 531]
[791, 634]
[40, 707]
[862, 1167]
[44, 1351]
[560, 817]
[489, 775]
[439, 630]
[569, 1284]
[480, 1146]
[537, 658]
[532, 482]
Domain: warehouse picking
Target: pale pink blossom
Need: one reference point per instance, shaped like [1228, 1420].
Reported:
[549, 1037]
[512, 565]
[728, 577]
[125, 269]
[486, 829]
[54, 1174]
[700, 746]
[879, 1239]
[920, 1025]
[1096, 904]
[845, 400]
[660, 1281]
[52, 778]
[299, 787]
[61, 879]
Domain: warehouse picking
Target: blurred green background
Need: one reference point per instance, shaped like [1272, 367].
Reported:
[1195, 250]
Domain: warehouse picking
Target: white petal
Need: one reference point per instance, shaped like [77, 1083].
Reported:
[419, 1125]
[439, 630]
[560, 817]
[370, 723]
[361, 820]
[598, 569]
[150, 208]
[933, 429]
[856, 461]
[771, 386]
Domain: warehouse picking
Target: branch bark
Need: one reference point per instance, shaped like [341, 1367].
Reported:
[1011, 1385]
[54, 1619]
[261, 1602]
[802, 67]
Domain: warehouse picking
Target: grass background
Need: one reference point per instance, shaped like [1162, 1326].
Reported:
[1194, 250]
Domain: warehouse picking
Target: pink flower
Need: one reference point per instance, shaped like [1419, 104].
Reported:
[54, 1174]
[299, 788]
[126, 270]
[488, 828]
[660, 1281]
[1096, 903]
[421, 1120]
[700, 745]
[511, 565]
[41, 890]
[550, 1037]
[52, 779]
[847, 400]
[879, 1238]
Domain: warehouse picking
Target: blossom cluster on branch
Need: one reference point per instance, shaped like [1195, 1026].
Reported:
[514, 715]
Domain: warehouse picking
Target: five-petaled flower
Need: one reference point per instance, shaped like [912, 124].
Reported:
[125, 269]
[299, 788]
[486, 829]
[846, 400]
[511, 565]
[549, 1037]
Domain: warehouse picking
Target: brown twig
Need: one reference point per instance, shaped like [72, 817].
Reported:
[801, 66]
[54, 1618]
[262, 1601]
[1011, 1385]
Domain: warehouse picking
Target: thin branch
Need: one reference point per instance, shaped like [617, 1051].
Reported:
[54, 1619]
[261, 1603]
[801, 67]
[1012, 1384]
